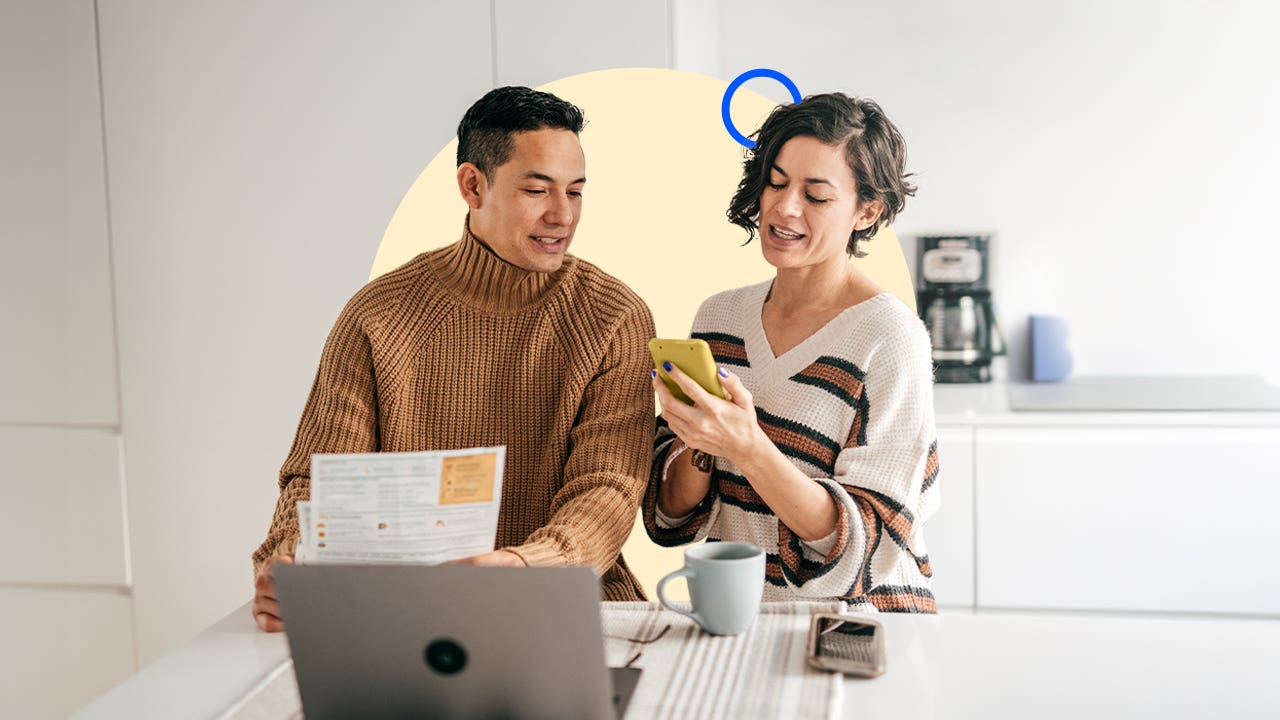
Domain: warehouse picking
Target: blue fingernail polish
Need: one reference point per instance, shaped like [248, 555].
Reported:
[666, 366]
[723, 372]
[653, 373]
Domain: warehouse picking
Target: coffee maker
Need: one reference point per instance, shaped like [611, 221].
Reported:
[954, 299]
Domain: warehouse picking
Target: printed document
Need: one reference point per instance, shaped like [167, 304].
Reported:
[418, 507]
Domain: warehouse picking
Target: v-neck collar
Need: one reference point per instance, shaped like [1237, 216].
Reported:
[770, 368]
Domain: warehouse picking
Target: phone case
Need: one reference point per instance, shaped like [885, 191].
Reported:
[849, 644]
[694, 359]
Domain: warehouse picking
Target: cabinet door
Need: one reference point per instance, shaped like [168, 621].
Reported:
[949, 533]
[62, 648]
[57, 355]
[63, 497]
[1175, 519]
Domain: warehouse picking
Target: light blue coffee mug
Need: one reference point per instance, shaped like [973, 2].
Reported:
[726, 581]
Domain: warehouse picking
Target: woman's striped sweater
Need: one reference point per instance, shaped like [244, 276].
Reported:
[852, 407]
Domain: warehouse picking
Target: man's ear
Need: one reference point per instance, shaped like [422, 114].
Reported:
[472, 184]
[868, 213]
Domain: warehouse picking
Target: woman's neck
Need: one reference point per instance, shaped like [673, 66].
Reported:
[807, 288]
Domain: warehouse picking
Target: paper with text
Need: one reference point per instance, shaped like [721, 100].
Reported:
[419, 507]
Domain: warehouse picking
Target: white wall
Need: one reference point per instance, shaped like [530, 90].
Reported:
[255, 151]
[538, 42]
[1123, 154]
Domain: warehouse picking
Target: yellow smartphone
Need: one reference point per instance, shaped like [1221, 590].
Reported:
[694, 359]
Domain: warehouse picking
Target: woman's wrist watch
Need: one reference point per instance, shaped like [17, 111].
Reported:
[702, 460]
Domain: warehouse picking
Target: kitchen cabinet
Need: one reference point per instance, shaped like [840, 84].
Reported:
[64, 495]
[56, 302]
[1168, 511]
[949, 534]
[63, 648]
[1128, 518]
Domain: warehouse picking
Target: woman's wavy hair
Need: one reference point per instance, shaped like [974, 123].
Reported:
[875, 150]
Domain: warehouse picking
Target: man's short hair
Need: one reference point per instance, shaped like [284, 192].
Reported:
[873, 148]
[485, 133]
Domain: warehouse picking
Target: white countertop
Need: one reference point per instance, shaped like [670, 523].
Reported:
[987, 404]
[988, 665]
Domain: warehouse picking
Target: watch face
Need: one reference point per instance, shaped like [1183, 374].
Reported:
[951, 265]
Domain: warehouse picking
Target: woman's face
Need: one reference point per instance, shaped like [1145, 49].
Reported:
[810, 206]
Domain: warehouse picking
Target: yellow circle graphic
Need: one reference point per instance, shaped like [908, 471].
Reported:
[660, 172]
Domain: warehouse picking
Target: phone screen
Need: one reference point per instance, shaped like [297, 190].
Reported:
[851, 640]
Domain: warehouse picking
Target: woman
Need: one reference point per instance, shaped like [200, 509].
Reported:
[825, 453]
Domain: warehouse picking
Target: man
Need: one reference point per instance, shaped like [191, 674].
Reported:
[499, 339]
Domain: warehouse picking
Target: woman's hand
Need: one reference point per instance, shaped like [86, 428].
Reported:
[729, 429]
[726, 428]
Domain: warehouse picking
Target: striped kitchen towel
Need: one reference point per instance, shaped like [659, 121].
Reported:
[690, 674]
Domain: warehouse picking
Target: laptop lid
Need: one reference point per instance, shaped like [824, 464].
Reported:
[375, 641]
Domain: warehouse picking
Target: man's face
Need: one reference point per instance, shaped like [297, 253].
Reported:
[531, 204]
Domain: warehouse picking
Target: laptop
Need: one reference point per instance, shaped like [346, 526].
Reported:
[449, 641]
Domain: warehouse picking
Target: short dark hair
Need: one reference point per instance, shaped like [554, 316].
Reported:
[873, 147]
[484, 134]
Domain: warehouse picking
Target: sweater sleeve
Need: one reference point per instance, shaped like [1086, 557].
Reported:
[593, 511]
[341, 416]
[881, 486]
[697, 524]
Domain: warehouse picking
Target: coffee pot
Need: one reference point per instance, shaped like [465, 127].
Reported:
[954, 301]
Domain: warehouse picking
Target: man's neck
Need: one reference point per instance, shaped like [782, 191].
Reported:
[476, 275]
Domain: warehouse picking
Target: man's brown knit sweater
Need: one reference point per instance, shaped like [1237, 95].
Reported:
[458, 348]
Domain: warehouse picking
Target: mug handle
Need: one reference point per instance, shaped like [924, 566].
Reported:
[687, 573]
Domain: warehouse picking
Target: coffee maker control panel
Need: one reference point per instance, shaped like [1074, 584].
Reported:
[951, 265]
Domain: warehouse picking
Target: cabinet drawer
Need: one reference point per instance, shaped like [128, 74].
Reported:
[1167, 519]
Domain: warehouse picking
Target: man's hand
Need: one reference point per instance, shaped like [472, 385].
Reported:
[266, 607]
[495, 558]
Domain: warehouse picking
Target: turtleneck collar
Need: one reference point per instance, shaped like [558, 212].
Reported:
[475, 274]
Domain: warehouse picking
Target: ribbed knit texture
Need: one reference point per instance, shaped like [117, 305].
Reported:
[852, 407]
[458, 348]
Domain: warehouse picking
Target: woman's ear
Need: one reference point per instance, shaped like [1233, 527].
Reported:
[867, 215]
[472, 184]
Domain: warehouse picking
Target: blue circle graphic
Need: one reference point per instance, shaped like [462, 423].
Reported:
[743, 140]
